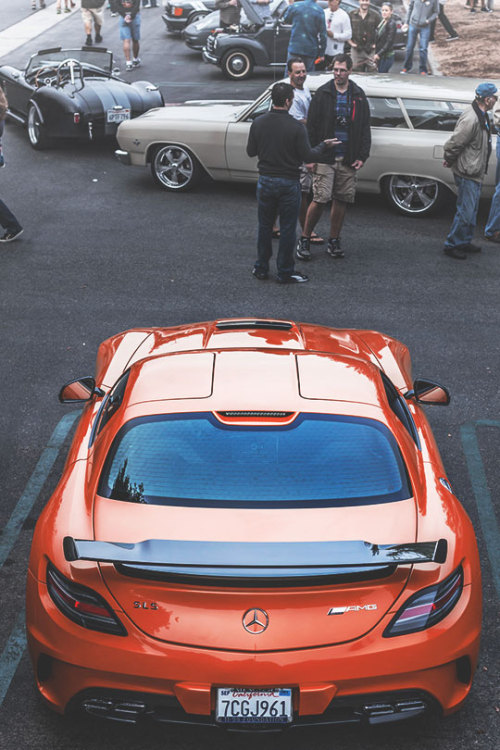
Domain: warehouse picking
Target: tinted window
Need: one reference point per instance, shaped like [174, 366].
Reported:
[428, 114]
[195, 460]
[385, 113]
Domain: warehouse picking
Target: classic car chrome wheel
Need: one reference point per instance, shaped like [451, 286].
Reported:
[36, 128]
[412, 195]
[237, 64]
[174, 168]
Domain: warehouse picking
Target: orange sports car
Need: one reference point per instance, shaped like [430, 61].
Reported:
[254, 529]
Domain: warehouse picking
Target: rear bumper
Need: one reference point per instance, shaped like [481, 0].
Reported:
[173, 23]
[331, 684]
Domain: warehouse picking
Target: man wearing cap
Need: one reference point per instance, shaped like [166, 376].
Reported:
[467, 153]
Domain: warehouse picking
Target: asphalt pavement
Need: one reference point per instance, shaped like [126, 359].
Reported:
[104, 250]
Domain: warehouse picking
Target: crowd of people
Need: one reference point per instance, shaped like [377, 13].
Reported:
[310, 150]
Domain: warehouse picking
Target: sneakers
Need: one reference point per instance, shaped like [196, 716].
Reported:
[295, 278]
[98, 38]
[456, 252]
[451, 38]
[486, 10]
[404, 71]
[136, 62]
[128, 65]
[10, 235]
[88, 41]
[303, 249]
[334, 250]
[260, 275]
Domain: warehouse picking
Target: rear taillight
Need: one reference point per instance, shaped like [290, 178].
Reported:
[177, 11]
[82, 605]
[428, 607]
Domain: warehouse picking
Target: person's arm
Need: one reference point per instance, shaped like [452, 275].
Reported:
[321, 34]
[305, 153]
[366, 135]
[460, 138]
[435, 12]
[252, 149]
[496, 116]
[344, 33]
[4, 105]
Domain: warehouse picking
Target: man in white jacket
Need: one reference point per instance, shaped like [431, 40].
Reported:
[338, 30]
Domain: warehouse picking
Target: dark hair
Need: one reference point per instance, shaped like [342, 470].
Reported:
[389, 5]
[292, 61]
[280, 92]
[342, 57]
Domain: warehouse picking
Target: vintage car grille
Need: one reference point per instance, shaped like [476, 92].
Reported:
[211, 43]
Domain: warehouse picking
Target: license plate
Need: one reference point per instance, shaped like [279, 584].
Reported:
[240, 706]
[118, 115]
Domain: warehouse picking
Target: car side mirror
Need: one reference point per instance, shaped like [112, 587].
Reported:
[429, 392]
[77, 391]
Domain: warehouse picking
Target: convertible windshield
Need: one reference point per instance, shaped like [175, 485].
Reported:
[193, 459]
[101, 59]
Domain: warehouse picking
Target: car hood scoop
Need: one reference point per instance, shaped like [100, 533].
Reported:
[202, 592]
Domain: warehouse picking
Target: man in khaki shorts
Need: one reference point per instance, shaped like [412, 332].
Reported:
[340, 110]
[92, 11]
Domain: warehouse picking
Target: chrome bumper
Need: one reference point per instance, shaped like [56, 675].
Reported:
[208, 58]
[123, 156]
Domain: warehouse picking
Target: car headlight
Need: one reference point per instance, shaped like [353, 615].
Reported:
[427, 607]
[82, 605]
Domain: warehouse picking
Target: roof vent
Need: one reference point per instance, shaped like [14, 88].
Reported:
[240, 325]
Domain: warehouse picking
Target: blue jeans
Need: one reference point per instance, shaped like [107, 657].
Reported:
[7, 219]
[277, 195]
[464, 223]
[493, 224]
[385, 64]
[425, 33]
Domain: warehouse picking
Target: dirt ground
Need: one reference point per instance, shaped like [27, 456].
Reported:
[477, 51]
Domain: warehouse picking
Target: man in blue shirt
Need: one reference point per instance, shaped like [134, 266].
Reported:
[308, 37]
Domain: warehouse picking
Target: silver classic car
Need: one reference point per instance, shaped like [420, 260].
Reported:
[411, 118]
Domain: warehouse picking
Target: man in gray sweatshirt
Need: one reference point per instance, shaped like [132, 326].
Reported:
[421, 14]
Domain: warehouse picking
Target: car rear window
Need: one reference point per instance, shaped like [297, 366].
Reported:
[196, 460]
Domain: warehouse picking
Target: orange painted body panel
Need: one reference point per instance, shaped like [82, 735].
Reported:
[184, 640]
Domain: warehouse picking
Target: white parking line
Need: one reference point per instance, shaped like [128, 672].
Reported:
[24, 31]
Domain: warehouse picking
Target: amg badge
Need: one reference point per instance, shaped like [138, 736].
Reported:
[351, 608]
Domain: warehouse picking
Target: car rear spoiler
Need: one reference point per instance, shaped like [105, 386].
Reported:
[254, 560]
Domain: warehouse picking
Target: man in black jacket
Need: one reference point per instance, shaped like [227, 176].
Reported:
[338, 109]
[282, 145]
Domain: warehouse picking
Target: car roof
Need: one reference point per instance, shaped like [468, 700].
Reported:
[407, 86]
[253, 379]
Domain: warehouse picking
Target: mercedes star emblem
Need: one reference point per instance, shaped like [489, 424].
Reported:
[255, 621]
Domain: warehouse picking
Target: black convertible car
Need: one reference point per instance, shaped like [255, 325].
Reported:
[72, 93]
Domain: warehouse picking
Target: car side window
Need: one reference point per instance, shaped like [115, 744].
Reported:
[113, 401]
[400, 409]
[386, 113]
[262, 107]
[428, 114]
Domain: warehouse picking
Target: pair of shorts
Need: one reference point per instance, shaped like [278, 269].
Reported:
[334, 181]
[93, 13]
[131, 30]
